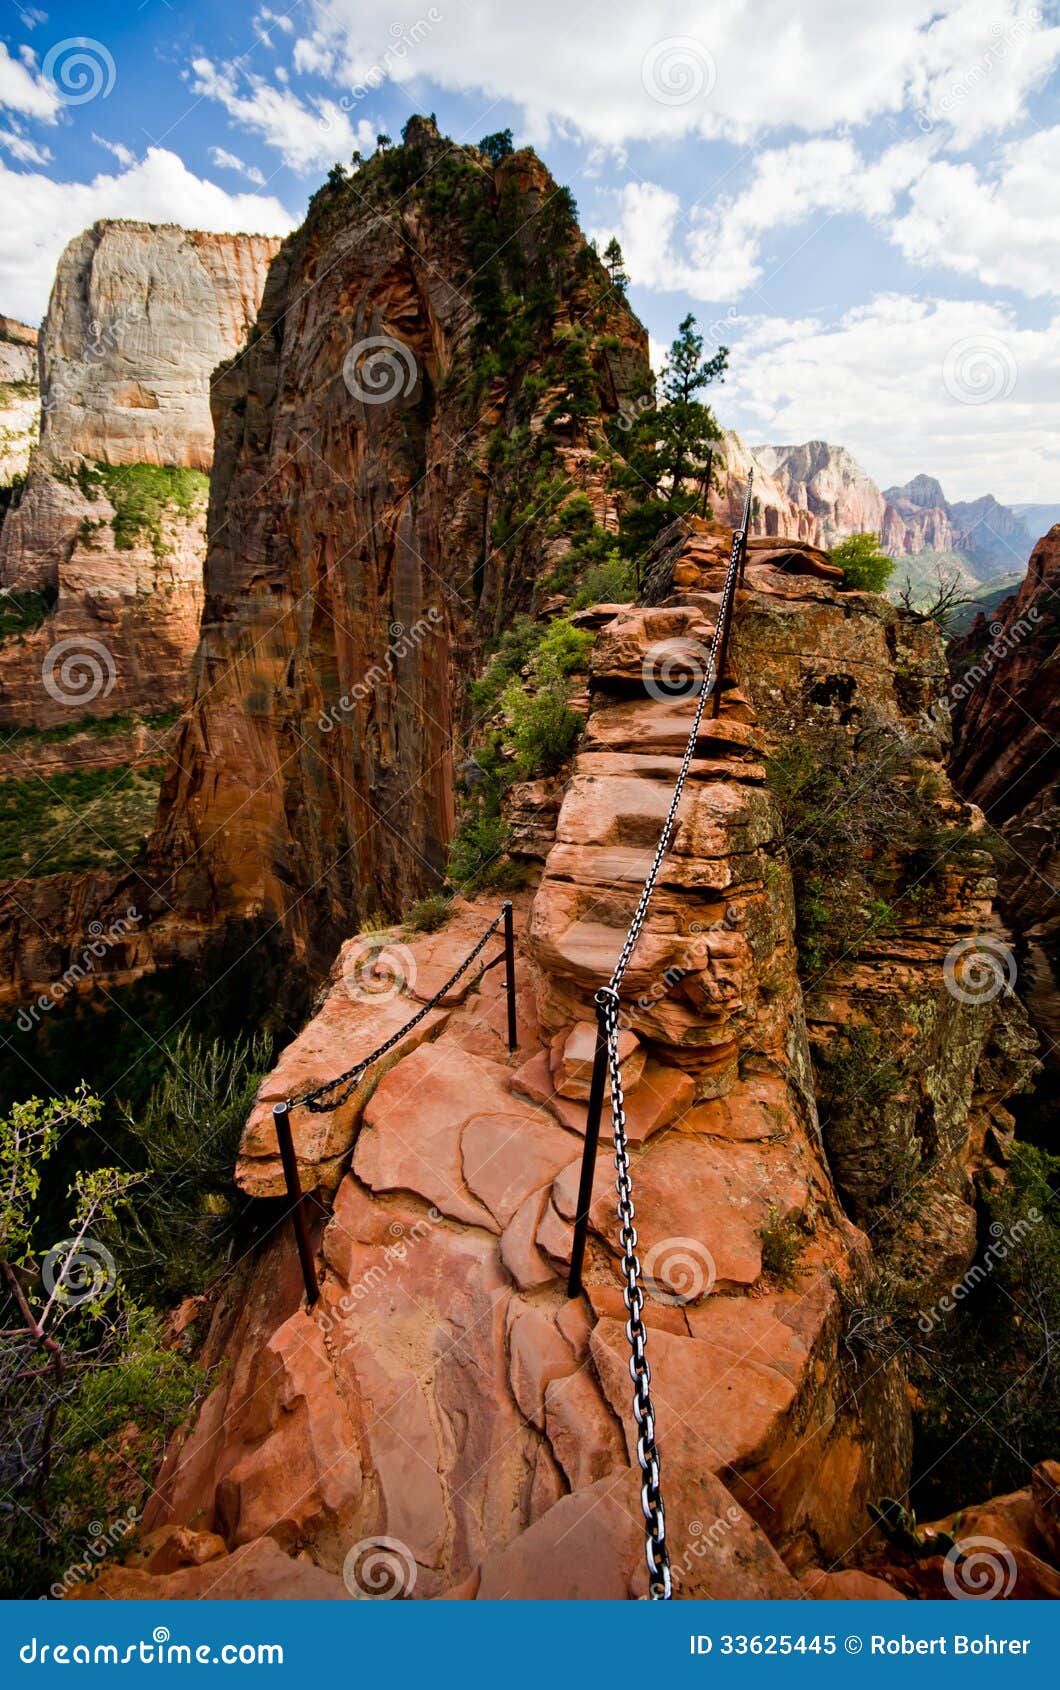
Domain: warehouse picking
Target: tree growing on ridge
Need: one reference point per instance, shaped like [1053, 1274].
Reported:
[616, 265]
[665, 445]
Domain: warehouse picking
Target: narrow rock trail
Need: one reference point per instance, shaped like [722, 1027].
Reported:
[444, 1406]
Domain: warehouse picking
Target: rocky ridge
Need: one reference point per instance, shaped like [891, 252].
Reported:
[19, 401]
[444, 1419]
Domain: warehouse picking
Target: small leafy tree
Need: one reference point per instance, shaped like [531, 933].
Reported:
[865, 567]
[497, 146]
[78, 1359]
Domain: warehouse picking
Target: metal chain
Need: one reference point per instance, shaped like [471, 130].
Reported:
[655, 1550]
[320, 1101]
[728, 594]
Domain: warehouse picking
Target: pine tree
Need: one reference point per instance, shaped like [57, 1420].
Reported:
[615, 265]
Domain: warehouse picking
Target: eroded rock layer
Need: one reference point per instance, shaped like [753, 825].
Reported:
[109, 530]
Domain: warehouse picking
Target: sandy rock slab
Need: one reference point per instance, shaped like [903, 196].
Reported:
[256, 1571]
[590, 1546]
[444, 1125]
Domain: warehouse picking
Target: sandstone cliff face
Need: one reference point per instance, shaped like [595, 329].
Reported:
[1006, 709]
[828, 484]
[831, 486]
[780, 505]
[19, 401]
[422, 394]
[109, 528]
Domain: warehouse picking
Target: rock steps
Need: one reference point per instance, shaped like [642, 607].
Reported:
[443, 1392]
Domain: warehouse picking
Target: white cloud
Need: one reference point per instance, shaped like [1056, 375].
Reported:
[120, 151]
[229, 161]
[906, 385]
[670, 68]
[41, 215]
[266, 21]
[22, 148]
[306, 136]
[1006, 231]
[714, 253]
[23, 89]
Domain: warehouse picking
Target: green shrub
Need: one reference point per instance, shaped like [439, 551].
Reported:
[429, 914]
[174, 1240]
[22, 611]
[610, 582]
[477, 856]
[77, 819]
[782, 1242]
[865, 568]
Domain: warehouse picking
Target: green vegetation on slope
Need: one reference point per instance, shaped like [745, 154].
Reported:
[78, 819]
[143, 497]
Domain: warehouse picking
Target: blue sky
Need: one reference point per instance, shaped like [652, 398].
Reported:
[863, 203]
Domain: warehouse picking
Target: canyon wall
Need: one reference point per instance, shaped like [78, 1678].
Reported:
[19, 402]
[102, 551]
[1006, 708]
[421, 399]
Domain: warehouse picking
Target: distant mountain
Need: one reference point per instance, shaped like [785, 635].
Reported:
[1038, 519]
[980, 538]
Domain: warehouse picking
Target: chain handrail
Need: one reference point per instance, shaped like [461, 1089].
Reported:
[657, 1555]
[320, 1102]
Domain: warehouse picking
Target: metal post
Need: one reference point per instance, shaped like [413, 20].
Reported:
[592, 1139]
[509, 972]
[280, 1115]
